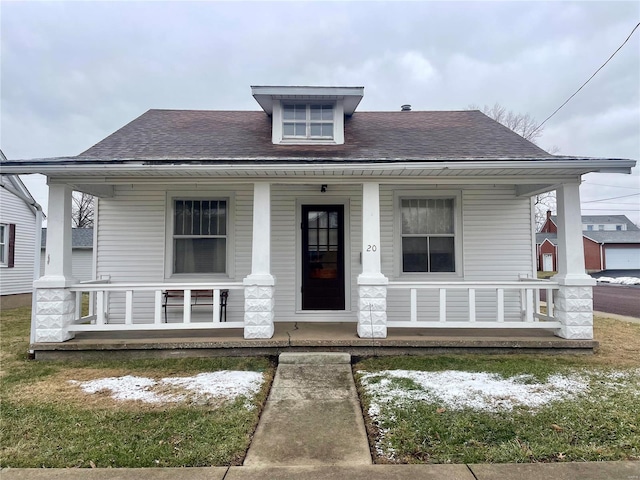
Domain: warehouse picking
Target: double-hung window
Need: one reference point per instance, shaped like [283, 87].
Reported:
[7, 244]
[200, 236]
[307, 121]
[4, 244]
[428, 235]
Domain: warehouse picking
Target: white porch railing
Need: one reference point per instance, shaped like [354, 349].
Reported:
[99, 291]
[530, 314]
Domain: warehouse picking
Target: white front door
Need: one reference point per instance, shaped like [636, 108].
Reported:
[547, 262]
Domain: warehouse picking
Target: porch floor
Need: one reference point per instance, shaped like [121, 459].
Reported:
[308, 337]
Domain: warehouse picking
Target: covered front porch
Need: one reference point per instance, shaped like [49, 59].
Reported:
[380, 304]
[309, 337]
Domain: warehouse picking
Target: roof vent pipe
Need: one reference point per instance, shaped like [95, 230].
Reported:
[405, 108]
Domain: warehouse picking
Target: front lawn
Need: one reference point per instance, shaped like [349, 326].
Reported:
[498, 409]
[50, 418]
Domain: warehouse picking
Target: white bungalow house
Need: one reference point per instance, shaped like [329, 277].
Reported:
[20, 220]
[309, 211]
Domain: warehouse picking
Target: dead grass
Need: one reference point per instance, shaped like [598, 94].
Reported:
[619, 342]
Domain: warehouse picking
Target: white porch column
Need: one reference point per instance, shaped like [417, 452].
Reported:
[55, 304]
[574, 301]
[259, 286]
[372, 284]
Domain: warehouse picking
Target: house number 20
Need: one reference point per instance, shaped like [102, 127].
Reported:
[372, 248]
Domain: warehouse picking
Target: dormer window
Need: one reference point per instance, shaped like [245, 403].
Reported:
[307, 121]
[308, 115]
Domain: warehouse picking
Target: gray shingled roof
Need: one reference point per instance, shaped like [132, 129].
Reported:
[605, 237]
[614, 236]
[80, 238]
[602, 220]
[246, 135]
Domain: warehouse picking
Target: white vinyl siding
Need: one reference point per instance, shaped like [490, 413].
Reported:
[132, 236]
[18, 279]
[81, 264]
[497, 242]
[494, 230]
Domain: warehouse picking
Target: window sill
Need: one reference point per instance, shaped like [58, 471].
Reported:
[428, 276]
[195, 277]
[304, 141]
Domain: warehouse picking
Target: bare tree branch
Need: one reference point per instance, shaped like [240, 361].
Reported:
[521, 123]
[82, 210]
[525, 126]
[544, 202]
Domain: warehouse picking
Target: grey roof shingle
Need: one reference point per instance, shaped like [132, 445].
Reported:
[80, 238]
[604, 220]
[192, 134]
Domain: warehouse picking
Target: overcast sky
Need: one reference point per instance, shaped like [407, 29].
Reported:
[74, 72]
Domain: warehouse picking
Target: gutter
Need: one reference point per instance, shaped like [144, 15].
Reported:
[67, 166]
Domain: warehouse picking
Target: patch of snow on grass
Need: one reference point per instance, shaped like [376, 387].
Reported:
[476, 390]
[222, 385]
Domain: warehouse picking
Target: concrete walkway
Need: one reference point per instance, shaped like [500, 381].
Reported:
[507, 471]
[312, 415]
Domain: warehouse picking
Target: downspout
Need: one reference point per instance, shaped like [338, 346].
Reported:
[36, 276]
[601, 257]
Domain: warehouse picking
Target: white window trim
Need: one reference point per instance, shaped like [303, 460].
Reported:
[4, 262]
[278, 138]
[212, 194]
[324, 200]
[398, 196]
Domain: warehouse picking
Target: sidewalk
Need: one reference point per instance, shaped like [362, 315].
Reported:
[507, 471]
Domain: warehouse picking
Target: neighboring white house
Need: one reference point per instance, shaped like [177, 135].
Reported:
[20, 219]
[82, 253]
[309, 211]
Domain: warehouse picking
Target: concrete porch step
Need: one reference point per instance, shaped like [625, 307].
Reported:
[314, 358]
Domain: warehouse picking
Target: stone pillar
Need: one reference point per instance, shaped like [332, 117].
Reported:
[574, 300]
[55, 304]
[259, 286]
[372, 284]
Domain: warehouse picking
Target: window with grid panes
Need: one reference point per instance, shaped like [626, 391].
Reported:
[200, 236]
[428, 235]
[307, 121]
[4, 243]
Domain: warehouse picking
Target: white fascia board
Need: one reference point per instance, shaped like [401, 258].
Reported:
[265, 95]
[311, 164]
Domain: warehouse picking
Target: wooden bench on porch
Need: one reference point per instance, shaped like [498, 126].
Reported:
[175, 298]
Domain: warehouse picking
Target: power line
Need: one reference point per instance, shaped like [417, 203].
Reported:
[615, 186]
[594, 74]
[608, 209]
[611, 198]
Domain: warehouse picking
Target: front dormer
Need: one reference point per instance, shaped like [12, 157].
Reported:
[308, 115]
